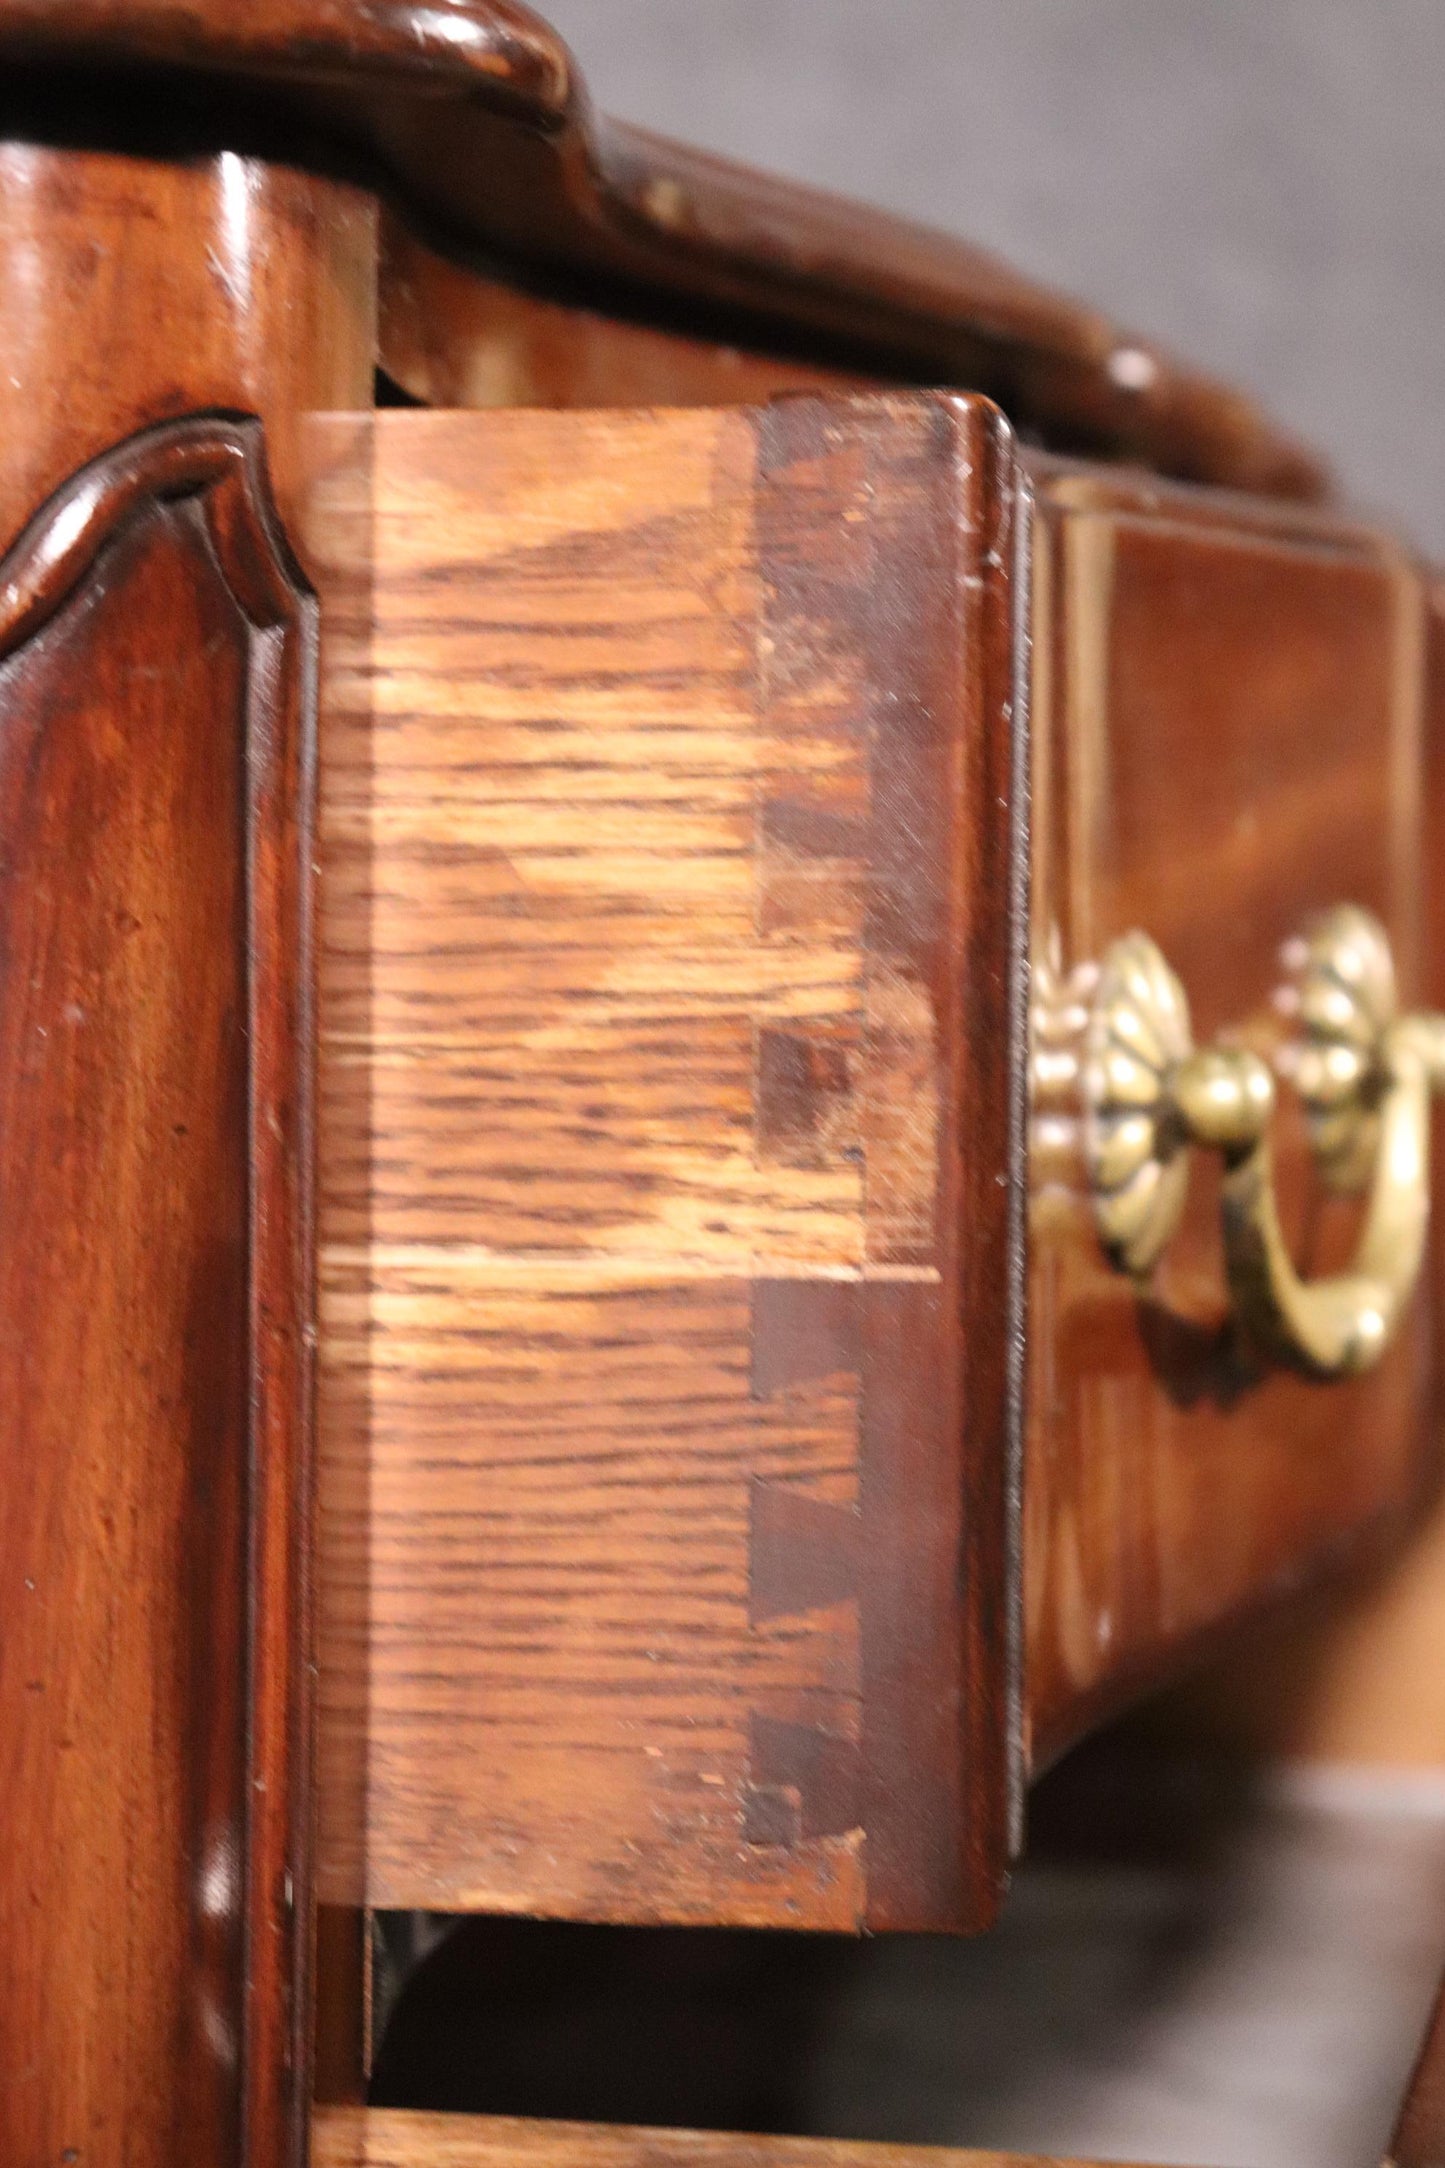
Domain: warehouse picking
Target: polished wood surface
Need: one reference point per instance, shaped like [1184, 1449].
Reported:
[1228, 728]
[1419, 2139]
[393, 2138]
[133, 291]
[158, 738]
[670, 1532]
[450, 336]
[1353, 1674]
[1349, 1675]
[156, 704]
[667, 1121]
[475, 115]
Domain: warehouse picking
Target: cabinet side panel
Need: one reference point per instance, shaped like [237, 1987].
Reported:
[152, 1304]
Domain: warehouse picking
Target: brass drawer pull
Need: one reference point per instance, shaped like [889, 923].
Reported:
[1365, 1075]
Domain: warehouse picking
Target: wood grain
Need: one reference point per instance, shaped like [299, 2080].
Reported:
[135, 290]
[1228, 737]
[394, 2138]
[622, 1149]
[476, 116]
[156, 712]
[1354, 1675]
[450, 336]
[138, 288]
[666, 818]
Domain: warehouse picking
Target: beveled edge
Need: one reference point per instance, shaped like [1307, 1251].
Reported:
[218, 457]
[58, 547]
[440, 47]
[480, 119]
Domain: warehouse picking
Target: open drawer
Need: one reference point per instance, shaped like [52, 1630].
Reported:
[743, 1458]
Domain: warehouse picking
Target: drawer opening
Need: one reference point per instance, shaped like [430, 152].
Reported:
[1178, 1944]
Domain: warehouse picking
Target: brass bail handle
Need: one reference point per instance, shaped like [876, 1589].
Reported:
[1365, 1075]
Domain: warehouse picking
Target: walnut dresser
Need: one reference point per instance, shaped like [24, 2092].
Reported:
[717, 1016]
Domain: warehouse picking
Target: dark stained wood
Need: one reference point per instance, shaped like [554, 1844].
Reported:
[668, 1085]
[495, 48]
[475, 115]
[1419, 2140]
[133, 291]
[156, 711]
[451, 337]
[1353, 1674]
[343, 2050]
[394, 2138]
[1228, 736]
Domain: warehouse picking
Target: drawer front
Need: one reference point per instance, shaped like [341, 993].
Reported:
[1228, 736]
[667, 1090]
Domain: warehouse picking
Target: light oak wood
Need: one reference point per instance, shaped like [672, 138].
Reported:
[665, 1545]
[394, 2138]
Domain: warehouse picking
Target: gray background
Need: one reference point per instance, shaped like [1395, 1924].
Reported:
[1259, 184]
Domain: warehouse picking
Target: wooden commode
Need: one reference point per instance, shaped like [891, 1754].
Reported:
[719, 949]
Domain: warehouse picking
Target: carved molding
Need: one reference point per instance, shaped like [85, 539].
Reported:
[157, 729]
[477, 112]
[219, 460]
